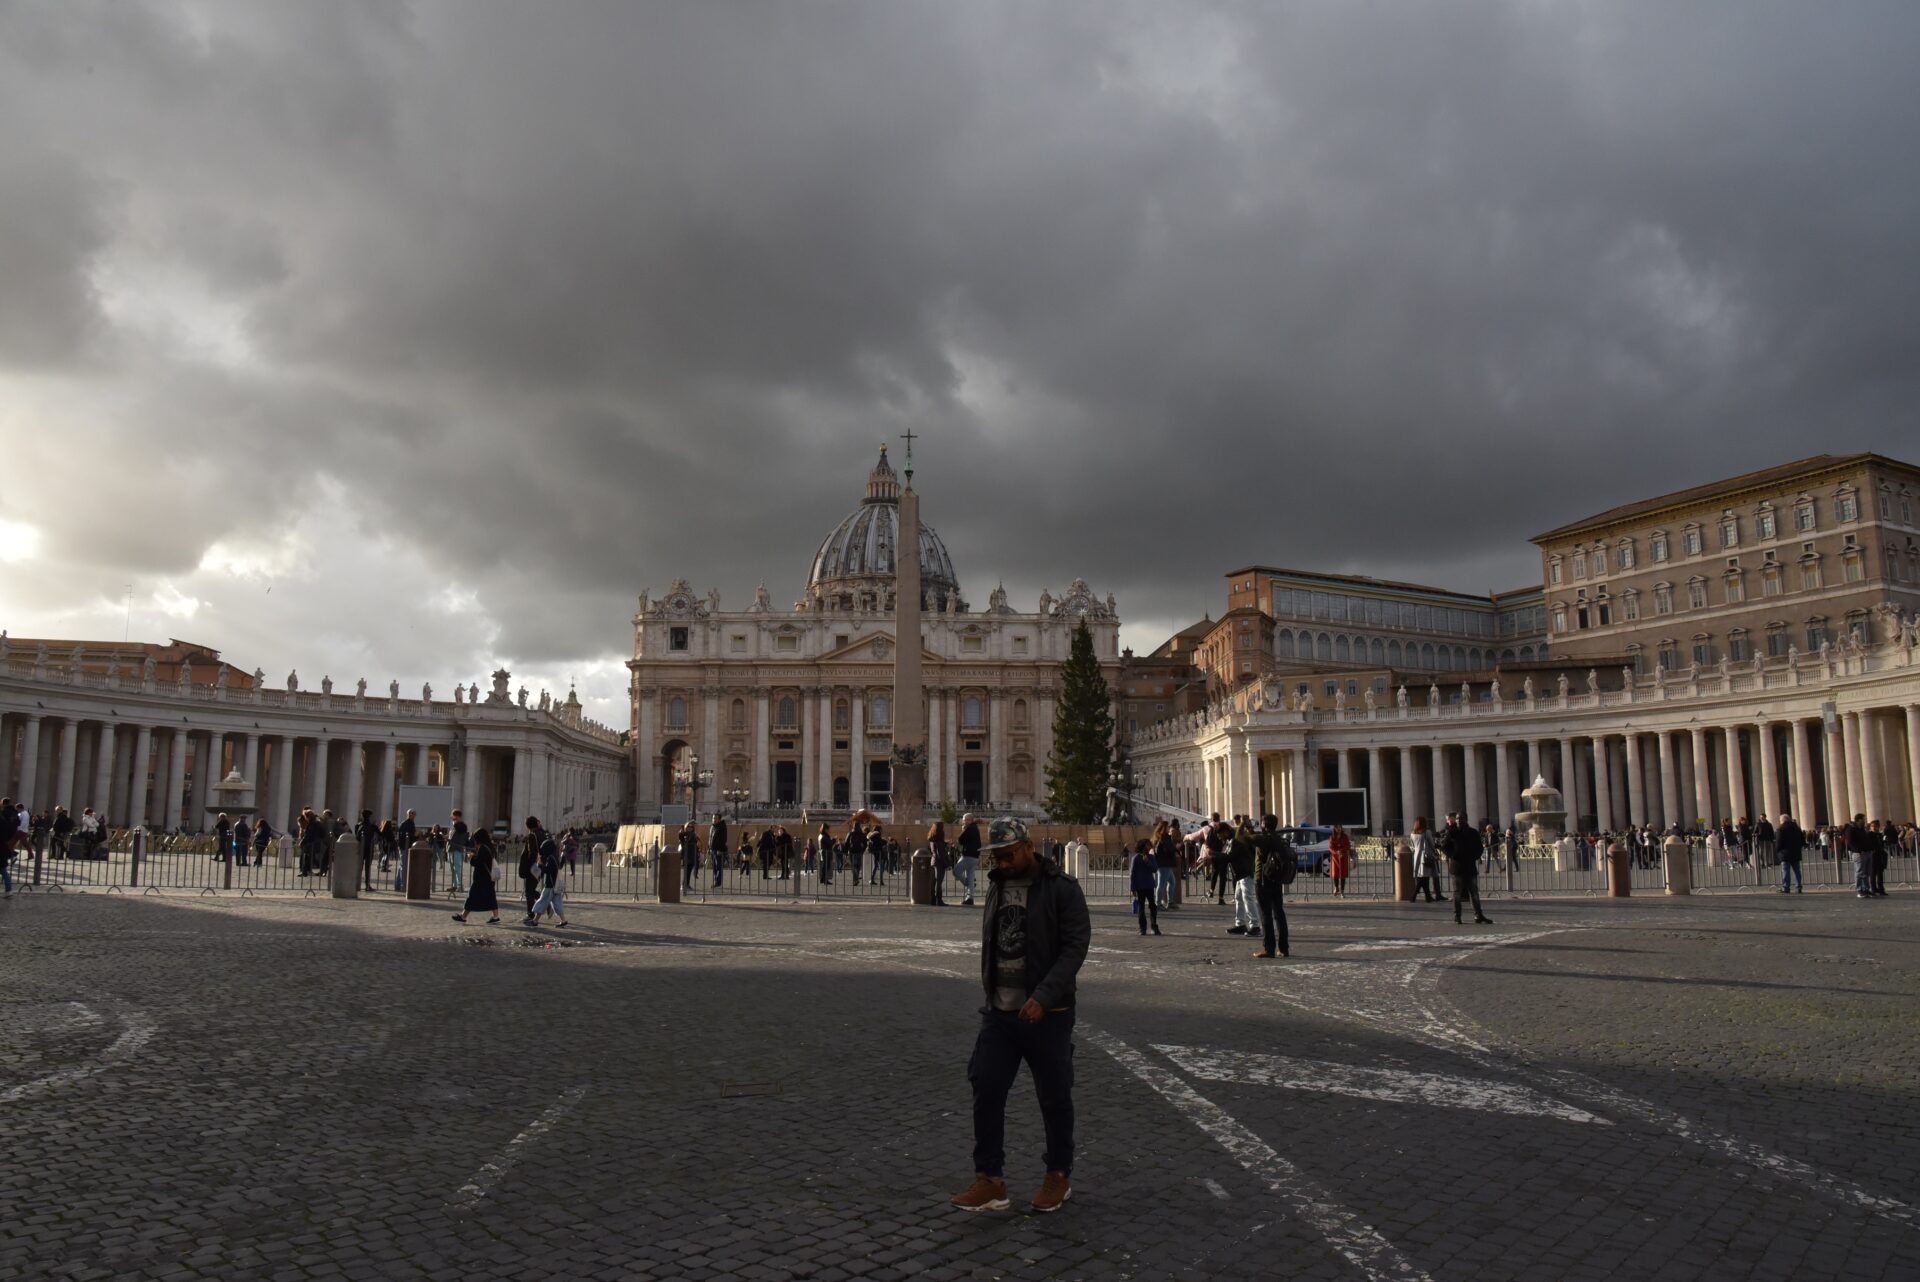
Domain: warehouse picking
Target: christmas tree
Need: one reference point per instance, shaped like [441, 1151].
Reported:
[1082, 738]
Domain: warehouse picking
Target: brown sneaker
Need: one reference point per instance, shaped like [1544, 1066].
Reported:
[986, 1193]
[1054, 1190]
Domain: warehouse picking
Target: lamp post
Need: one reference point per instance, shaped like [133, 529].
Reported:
[693, 779]
[736, 795]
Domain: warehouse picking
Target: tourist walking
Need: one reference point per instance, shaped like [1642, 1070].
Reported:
[262, 834]
[717, 848]
[942, 859]
[1034, 937]
[1789, 843]
[486, 872]
[314, 844]
[1166, 862]
[1240, 860]
[1143, 880]
[459, 842]
[1882, 839]
[1339, 858]
[529, 866]
[1426, 862]
[969, 860]
[1860, 843]
[689, 854]
[552, 872]
[367, 834]
[1275, 868]
[1460, 845]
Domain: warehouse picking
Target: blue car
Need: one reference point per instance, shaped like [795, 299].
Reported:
[1310, 853]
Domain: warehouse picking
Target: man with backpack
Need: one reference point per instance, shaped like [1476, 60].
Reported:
[1460, 845]
[1274, 869]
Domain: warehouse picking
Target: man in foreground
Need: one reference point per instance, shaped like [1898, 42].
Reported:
[1461, 847]
[1034, 939]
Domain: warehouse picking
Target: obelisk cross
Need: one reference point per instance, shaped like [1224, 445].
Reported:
[908, 436]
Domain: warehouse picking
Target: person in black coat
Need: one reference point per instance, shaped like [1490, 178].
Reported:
[482, 896]
[1460, 845]
[1789, 843]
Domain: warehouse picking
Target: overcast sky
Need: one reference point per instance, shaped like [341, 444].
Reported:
[404, 341]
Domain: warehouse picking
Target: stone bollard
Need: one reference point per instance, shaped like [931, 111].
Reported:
[920, 879]
[667, 880]
[597, 857]
[139, 853]
[419, 859]
[1619, 871]
[1566, 855]
[1679, 861]
[284, 844]
[1403, 875]
[346, 867]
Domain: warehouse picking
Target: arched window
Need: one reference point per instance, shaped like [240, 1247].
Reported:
[1393, 654]
[788, 712]
[840, 714]
[1506, 656]
[1475, 659]
[739, 714]
[882, 710]
[1426, 655]
[1341, 651]
[1460, 657]
[1283, 643]
[1019, 714]
[1526, 653]
[970, 712]
[1446, 659]
[677, 712]
[1323, 646]
[1377, 651]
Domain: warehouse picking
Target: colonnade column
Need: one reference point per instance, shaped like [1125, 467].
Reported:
[1769, 772]
[857, 771]
[322, 748]
[823, 782]
[1872, 786]
[29, 761]
[383, 794]
[137, 778]
[1806, 802]
[1509, 796]
[1702, 776]
[1736, 776]
[521, 796]
[1303, 807]
[1533, 761]
[934, 794]
[213, 773]
[1669, 783]
[282, 816]
[176, 779]
[1442, 792]
[1376, 790]
[1409, 796]
[1913, 760]
[952, 759]
[1636, 783]
[103, 772]
[1602, 784]
[760, 788]
[1476, 782]
[1570, 779]
[809, 755]
[69, 756]
[356, 781]
[1851, 802]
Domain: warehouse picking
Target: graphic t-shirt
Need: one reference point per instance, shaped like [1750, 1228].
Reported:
[1010, 946]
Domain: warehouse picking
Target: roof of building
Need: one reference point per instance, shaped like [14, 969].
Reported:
[1766, 476]
[1362, 581]
[860, 549]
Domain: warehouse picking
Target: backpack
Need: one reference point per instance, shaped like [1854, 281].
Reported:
[1279, 863]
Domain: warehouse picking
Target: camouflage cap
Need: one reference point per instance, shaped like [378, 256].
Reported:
[1005, 832]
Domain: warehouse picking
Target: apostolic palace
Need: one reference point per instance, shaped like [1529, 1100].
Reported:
[1742, 646]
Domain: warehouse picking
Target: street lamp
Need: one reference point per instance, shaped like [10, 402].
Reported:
[693, 779]
[736, 795]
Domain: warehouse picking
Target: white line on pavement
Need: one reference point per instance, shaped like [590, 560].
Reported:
[1356, 1241]
[137, 1030]
[487, 1176]
[1213, 1187]
[1392, 1085]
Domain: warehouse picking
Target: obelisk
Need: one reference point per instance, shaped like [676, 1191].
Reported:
[909, 719]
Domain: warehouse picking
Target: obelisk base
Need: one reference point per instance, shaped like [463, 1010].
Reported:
[909, 793]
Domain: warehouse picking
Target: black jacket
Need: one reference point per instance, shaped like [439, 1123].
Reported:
[1058, 932]
[1789, 842]
[970, 841]
[1461, 846]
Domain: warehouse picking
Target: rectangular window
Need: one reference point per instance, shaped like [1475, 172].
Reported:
[1692, 542]
[1810, 576]
[1631, 607]
[1579, 566]
[1703, 653]
[971, 645]
[1777, 643]
[1854, 570]
[1739, 649]
[1663, 600]
[1729, 535]
[1696, 596]
[1736, 589]
[1770, 583]
[1669, 656]
[1847, 508]
[739, 643]
[1020, 645]
[1816, 635]
[788, 644]
[1657, 547]
[676, 638]
[1623, 556]
[1803, 517]
[1766, 526]
[1553, 572]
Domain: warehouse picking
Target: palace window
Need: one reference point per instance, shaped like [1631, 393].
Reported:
[1847, 507]
[1810, 574]
[1657, 546]
[1559, 618]
[1579, 565]
[1739, 647]
[1623, 555]
[1886, 503]
[970, 712]
[1777, 642]
[1669, 656]
[1857, 624]
[1893, 564]
[1599, 560]
[1736, 587]
[1690, 540]
[1553, 569]
[1703, 651]
[1771, 583]
[1333, 688]
[1816, 633]
[841, 715]
[677, 713]
[1852, 568]
[1630, 606]
[1766, 526]
[1663, 598]
[1730, 533]
[1696, 594]
[1639, 657]
[787, 711]
[1803, 517]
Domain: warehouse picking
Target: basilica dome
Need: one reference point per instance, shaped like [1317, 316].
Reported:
[855, 561]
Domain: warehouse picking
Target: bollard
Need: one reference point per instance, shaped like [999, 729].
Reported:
[139, 849]
[921, 879]
[667, 880]
[1403, 875]
[1619, 871]
[419, 860]
[1679, 861]
[346, 867]
[597, 858]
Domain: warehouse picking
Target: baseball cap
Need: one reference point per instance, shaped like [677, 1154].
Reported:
[1004, 832]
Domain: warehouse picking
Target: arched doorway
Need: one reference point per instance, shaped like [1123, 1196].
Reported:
[841, 792]
[673, 759]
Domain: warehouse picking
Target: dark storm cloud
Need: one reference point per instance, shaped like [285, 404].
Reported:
[576, 298]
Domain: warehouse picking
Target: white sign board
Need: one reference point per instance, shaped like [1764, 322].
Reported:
[433, 804]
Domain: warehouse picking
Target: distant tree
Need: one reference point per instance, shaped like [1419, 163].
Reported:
[1082, 737]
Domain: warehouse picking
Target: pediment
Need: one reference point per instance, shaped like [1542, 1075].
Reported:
[865, 650]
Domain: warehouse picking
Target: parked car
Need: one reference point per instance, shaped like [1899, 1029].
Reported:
[1310, 853]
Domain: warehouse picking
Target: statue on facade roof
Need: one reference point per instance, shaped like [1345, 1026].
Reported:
[1433, 694]
[426, 692]
[393, 688]
[1526, 689]
[1339, 698]
[259, 674]
[762, 600]
[293, 682]
[1561, 683]
[219, 677]
[1046, 602]
[459, 694]
[713, 600]
[643, 603]
[1400, 697]
[1367, 697]
[360, 689]
[326, 684]
[184, 677]
[1493, 689]
[473, 692]
[1593, 681]
[1466, 693]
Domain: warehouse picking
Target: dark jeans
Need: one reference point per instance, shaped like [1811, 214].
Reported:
[532, 886]
[1047, 1048]
[1464, 888]
[1427, 888]
[1272, 901]
[1146, 910]
[689, 864]
[1791, 874]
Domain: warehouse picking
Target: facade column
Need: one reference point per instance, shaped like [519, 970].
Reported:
[1669, 783]
[953, 745]
[1636, 782]
[1534, 765]
[761, 789]
[1769, 772]
[809, 755]
[282, 815]
[208, 773]
[540, 784]
[383, 798]
[1376, 790]
[103, 758]
[1304, 810]
[857, 771]
[176, 778]
[1702, 776]
[1602, 784]
[1570, 781]
[823, 781]
[1442, 794]
[1736, 777]
[1872, 789]
[322, 749]
[1409, 795]
[1806, 802]
[1835, 760]
[646, 782]
[250, 770]
[936, 778]
[1476, 784]
[30, 762]
[356, 782]
[521, 797]
[997, 778]
[1852, 796]
[69, 757]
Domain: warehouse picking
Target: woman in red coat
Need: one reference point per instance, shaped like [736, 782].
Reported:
[1339, 859]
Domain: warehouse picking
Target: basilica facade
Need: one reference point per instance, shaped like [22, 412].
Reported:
[793, 708]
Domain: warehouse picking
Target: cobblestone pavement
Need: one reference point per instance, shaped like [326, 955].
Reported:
[268, 1089]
